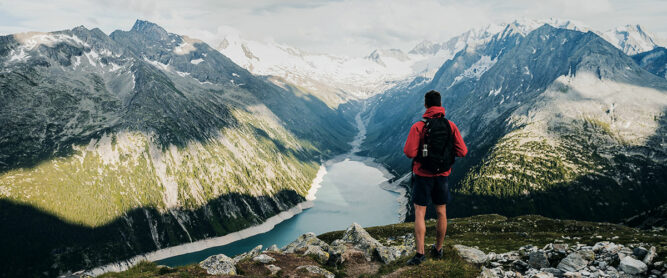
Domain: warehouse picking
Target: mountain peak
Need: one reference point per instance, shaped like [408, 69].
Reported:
[149, 29]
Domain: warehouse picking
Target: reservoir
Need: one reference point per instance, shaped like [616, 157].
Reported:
[350, 192]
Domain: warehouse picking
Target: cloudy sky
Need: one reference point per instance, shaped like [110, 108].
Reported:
[340, 27]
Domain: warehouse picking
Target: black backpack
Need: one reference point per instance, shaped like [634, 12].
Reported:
[439, 144]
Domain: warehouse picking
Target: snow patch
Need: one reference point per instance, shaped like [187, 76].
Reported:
[196, 61]
[187, 45]
[476, 70]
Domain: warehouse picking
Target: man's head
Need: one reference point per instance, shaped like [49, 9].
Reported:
[432, 98]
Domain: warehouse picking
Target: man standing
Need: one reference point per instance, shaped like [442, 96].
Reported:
[432, 143]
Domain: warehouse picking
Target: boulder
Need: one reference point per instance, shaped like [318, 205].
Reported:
[388, 254]
[273, 268]
[572, 263]
[538, 259]
[587, 255]
[543, 275]
[650, 255]
[360, 239]
[219, 265]
[250, 254]
[487, 273]
[554, 271]
[263, 258]
[273, 248]
[336, 251]
[470, 254]
[317, 252]
[632, 266]
[316, 270]
[303, 241]
[639, 252]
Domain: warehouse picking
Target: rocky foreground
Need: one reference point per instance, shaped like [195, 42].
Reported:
[479, 246]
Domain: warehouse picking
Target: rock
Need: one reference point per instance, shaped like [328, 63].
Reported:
[538, 259]
[263, 258]
[388, 254]
[336, 251]
[554, 271]
[573, 262]
[219, 265]
[470, 254]
[487, 273]
[570, 274]
[250, 254]
[560, 247]
[639, 252]
[632, 266]
[520, 265]
[650, 255]
[303, 241]
[543, 275]
[587, 255]
[273, 268]
[273, 248]
[317, 252]
[360, 239]
[316, 270]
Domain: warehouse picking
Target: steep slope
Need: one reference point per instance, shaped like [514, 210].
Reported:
[117, 145]
[654, 61]
[549, 120]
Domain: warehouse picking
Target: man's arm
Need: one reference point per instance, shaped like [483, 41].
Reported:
[411, 147]
[460, 149]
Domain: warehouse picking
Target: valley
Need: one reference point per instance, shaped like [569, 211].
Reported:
[119, 145]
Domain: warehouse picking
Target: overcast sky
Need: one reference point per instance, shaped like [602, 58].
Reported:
[344, 27]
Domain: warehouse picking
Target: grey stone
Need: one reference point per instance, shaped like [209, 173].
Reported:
[538, 259]
[587, 255]
[273, 248]
[316, 270]
[360, 239]
[573, 262]
[543, 275]
[650, 255]
[639, 252]
[388, 254]
[250, 254]
[554, 271]
[487, 273]
[273, 268]
[470, 254]
[316, 251]
[632, 266]
[219, 265]
[263, 258]
[302, 243]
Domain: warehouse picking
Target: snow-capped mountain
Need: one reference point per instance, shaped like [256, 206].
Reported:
[548, 119]
[125, 143]
[631, 39]
[337, 79]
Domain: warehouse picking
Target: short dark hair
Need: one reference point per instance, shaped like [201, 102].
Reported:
[432, 98]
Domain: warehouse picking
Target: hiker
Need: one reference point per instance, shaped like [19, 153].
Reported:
[433, 143]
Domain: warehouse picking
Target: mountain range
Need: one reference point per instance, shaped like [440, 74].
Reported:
[558, 122]
[120, 144]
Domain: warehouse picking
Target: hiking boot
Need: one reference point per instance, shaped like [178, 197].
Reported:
[435, 253]
[417, 259]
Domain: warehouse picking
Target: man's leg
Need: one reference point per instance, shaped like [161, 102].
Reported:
[420, 227]
[441, 226]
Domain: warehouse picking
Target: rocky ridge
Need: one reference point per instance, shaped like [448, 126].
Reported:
[478, 246]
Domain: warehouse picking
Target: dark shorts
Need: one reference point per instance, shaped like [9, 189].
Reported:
[435, 189]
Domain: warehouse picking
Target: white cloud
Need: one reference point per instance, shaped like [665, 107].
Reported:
[340, 27]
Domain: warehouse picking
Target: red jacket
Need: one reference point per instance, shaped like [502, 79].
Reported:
[416, 135]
